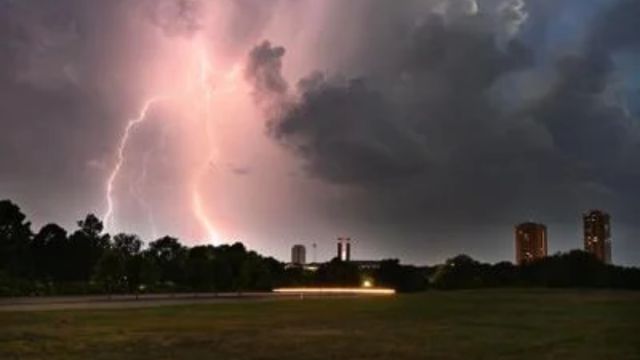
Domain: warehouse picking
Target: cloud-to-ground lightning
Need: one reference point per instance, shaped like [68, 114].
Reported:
[208, 91]
[196, 197]
[136, 190]
[124, 140]
[203, 91]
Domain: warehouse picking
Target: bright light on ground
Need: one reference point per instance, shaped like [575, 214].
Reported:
[339, 291]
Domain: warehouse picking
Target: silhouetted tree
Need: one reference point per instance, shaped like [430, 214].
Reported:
[574, 269]
[297, 276]
[200, 268]
[229, 261]
[276, 270]
[502, 274]
[254, 274]
[403, 278]
[337, 272]
[150, 272]
[459, 272]
[222, 273]
[170, 256]
[128, 247]
[50, 248]
[86, 247]
[110, 271]
[15, 237]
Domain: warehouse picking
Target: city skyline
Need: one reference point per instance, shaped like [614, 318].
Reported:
[531, 241]
[531, 244]
[422, 129]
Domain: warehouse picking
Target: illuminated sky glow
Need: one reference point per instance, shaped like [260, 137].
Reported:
[421, 129]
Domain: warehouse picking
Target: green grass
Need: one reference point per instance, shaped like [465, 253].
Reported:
[488, 324]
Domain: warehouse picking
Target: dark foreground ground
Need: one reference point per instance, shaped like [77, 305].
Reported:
[490, 324]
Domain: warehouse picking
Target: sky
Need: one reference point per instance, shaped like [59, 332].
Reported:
[422, 129]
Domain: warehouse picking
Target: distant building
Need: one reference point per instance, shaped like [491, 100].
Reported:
[298, 255]
[531, 242]
[367, 264]
[344, 248]
[313, 267]
[298, 258]
[597, 234]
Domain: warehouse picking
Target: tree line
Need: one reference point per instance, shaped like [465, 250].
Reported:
[88, 260]
[576, 269]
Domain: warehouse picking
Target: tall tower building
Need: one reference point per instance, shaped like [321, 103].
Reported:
[531, 242]
[597, 234]
[344, 248]
[298, 255]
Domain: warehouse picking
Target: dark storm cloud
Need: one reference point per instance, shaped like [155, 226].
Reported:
[264, 69]
[176, 17]
[342, 129]
[618, 27]
[426, 137]
[246, 18]
[586, 124]
[63, 101]
[43, 72]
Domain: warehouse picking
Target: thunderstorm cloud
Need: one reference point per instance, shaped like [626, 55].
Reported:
[426, 127]
[437, 132]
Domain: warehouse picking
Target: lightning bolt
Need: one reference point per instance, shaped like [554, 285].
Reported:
[124, 140]
[212, 159]
[196, 197]
[202, 75]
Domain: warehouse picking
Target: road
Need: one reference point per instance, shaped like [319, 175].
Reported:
[132, 301]
[45, 303]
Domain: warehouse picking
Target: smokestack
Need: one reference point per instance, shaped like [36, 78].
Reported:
[348, 255]
[344, 249]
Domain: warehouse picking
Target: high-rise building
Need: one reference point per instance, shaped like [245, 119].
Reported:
[597, 234]
[298, 255]
[344, 248]
[531, 242]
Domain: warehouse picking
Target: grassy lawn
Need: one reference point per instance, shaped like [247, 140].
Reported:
[488, 324]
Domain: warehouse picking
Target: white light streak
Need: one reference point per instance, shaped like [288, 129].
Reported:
[203, 91]
[142, 116]
[336, 291]
[196, 197]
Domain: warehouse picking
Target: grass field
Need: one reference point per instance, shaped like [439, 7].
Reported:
[488, 324]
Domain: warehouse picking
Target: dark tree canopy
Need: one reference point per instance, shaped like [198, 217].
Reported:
[50, 249]
[15, 235]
